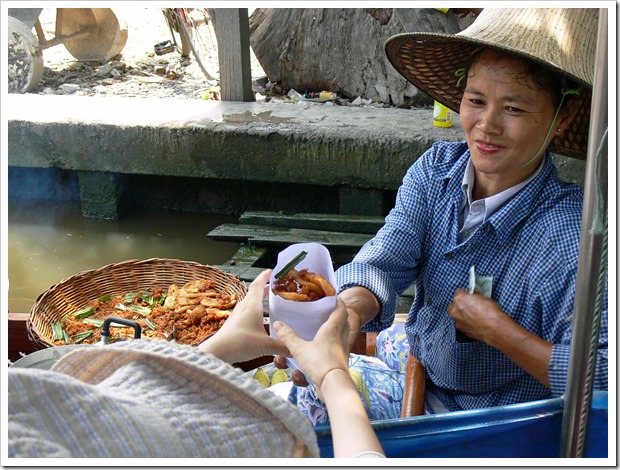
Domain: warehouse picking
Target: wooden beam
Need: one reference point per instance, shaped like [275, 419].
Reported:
[232, 30]
[330, 222]
[282, 236]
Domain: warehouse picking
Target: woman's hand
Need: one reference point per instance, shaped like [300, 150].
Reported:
[482, 319]
[474, 314]
[243, 336]
[362, 306]
[327, 352]
[325, 360]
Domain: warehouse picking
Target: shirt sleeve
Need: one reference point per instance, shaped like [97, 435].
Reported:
[560, 354]
[389, 263]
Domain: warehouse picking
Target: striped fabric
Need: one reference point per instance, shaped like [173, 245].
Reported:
[529, 247]
[149, 399]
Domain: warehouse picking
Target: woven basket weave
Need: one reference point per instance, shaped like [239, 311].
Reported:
[75, 293]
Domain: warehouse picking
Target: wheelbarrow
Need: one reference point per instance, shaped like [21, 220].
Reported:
[88, 34]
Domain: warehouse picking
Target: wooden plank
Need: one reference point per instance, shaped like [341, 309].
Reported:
[244, 272]
[282, 236]
[242, 233]
[247, 255]
[329, 222]
[232, 28]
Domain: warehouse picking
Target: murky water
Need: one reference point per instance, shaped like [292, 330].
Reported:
[48, 243]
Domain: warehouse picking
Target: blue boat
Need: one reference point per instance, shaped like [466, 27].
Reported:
[525, 430]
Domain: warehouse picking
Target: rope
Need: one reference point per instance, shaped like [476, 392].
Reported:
[599, 227]
[565, 92]
[598, 307]
[599, 224]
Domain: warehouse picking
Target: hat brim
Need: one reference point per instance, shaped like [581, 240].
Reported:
[430, 61]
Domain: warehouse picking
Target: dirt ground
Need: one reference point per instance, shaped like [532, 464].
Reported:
[138, 68]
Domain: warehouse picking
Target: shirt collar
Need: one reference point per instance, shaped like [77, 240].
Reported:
[493, 203]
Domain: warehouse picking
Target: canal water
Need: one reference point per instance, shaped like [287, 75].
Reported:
[50, 242]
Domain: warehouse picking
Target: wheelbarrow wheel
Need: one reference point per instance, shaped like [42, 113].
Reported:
[25, 60]
[107, 39]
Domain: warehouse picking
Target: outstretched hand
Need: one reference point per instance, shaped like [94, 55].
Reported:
[328, 351]
[243, 336]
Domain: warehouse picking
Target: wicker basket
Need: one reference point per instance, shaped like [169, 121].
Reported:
[75, 292]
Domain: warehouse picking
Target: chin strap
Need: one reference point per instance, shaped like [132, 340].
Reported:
[542, 148]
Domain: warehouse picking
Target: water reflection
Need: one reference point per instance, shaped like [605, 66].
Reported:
[48, 243]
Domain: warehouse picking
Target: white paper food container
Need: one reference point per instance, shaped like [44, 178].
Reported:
[303, 317]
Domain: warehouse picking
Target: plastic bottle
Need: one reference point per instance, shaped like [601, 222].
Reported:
[442, 116]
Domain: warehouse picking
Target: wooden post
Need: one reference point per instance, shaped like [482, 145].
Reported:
[232, 30]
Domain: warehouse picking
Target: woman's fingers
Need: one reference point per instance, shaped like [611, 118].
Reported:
[257, 289]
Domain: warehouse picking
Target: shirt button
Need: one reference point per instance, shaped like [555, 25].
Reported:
[429, 302]
[449, 255]
[465, 234]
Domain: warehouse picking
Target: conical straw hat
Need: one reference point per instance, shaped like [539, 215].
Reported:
[563, 39]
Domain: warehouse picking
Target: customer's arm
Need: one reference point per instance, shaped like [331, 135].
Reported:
[325, 360]
[361, 306]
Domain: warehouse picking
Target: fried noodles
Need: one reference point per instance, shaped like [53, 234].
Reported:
[194, 312]
[303, 286]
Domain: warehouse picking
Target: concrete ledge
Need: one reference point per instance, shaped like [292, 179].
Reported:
[359, 152]
[274, 142]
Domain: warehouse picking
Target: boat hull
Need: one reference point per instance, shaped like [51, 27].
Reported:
[514, 431]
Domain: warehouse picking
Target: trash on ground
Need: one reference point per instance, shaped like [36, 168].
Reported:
[315, 97]
[164, 47]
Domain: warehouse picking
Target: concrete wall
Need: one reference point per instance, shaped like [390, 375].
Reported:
[220, 157]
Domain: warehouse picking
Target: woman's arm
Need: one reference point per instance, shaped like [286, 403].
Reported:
[362, 307]
[352, 433]
[325, 360]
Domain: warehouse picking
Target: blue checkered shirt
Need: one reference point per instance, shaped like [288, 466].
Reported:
[529, 246]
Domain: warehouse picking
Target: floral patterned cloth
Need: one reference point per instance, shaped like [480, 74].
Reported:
[380, 387]
[393, 347]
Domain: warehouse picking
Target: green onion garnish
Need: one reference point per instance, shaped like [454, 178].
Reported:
[150, 324]
[57, 330]
[143, 311]
[85, 312]
[93, 321]
[291, 264]
[77, 339]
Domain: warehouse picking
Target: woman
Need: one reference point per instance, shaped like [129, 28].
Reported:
[490, 211]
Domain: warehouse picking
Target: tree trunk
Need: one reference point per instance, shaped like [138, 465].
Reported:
[341, 49]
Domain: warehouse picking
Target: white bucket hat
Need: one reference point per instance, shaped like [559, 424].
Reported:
[563, 39]
[147, 399]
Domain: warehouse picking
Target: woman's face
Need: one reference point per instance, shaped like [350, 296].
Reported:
[505, 122]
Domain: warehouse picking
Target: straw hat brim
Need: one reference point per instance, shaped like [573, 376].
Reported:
[429, 61]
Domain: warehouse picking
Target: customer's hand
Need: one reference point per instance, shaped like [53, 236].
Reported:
[243, 336]
[362, 306]
[328, 351]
